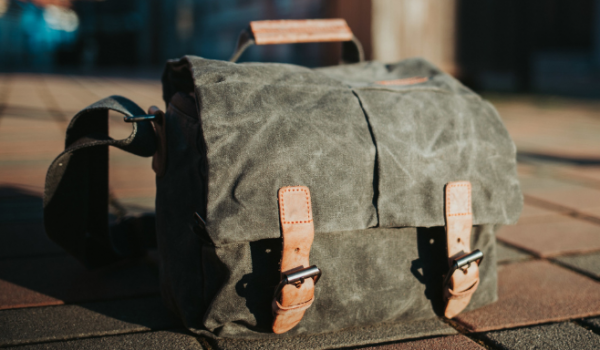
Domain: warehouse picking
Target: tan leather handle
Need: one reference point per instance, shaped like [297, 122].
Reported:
[300, 31]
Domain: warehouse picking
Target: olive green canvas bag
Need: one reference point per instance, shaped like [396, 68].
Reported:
[301, 208]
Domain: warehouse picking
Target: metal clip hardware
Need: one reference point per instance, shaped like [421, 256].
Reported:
[462, 261]
[297, 278]
[139, 118]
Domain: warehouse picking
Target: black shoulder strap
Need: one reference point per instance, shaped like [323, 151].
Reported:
[76, 191]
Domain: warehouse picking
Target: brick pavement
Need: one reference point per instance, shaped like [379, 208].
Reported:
[549, 273]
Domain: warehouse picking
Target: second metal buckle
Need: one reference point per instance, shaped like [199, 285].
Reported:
[462, 261]
[298, 277]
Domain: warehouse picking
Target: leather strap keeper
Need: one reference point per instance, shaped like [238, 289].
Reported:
[297, 231]
[459, 220]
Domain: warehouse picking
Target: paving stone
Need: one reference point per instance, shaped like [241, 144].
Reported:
[586, 263]
[593, 323]
[535, 292]
[506, 254]
[533, 213]
[386, 332]
[573, 197]
[455, 342]
[166, 340]
[18, 204]
[568, 130]
[36, 325]
[25, 239]
[547, 239]
[593, 213]
[54, 280]
[559, 336]
[589, 174]
[536, 184]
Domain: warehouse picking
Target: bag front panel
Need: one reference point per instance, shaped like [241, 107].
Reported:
[369, 276]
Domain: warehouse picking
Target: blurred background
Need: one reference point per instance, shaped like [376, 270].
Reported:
[534, 46]
[537, 61]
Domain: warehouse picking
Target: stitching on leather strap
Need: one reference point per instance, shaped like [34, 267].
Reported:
[281, 192]
[304, 305]
[449, 202]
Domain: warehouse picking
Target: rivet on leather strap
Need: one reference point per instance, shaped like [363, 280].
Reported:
[461, 281]
[297, 231]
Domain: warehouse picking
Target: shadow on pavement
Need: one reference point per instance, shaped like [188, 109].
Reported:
[36, 272]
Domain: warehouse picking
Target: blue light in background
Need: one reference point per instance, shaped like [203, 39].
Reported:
[31, 35]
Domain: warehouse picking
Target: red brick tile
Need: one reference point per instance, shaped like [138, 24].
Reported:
[576, 198]
[455, 342]
[591, 213]
[23, 174]
[506, 254]
[533, 213]
[535, 184]
[61, 279]
[590, 174]
[554, 237]
[532, 293]
[525, 169]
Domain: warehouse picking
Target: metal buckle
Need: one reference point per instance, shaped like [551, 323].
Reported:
[139, 118]
[462, 261]
[298, 277]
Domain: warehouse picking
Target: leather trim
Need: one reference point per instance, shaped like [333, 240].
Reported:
[404, 81]
[297, 232]
[300, 31]
[459, 221]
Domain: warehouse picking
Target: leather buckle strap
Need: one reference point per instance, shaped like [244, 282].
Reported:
[463, 277]
[296, 290]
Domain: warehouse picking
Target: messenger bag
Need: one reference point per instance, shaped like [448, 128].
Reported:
[301, 208]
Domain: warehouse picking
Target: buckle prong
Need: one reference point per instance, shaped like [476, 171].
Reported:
[139, 118]
[463, 262]
[297, 278]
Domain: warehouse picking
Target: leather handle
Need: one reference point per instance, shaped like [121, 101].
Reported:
[301, 31]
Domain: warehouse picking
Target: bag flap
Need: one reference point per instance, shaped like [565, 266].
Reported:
[364, 149]
[430, 130]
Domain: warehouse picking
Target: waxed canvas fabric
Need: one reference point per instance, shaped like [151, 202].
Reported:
[372, 155]
[376, 159]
